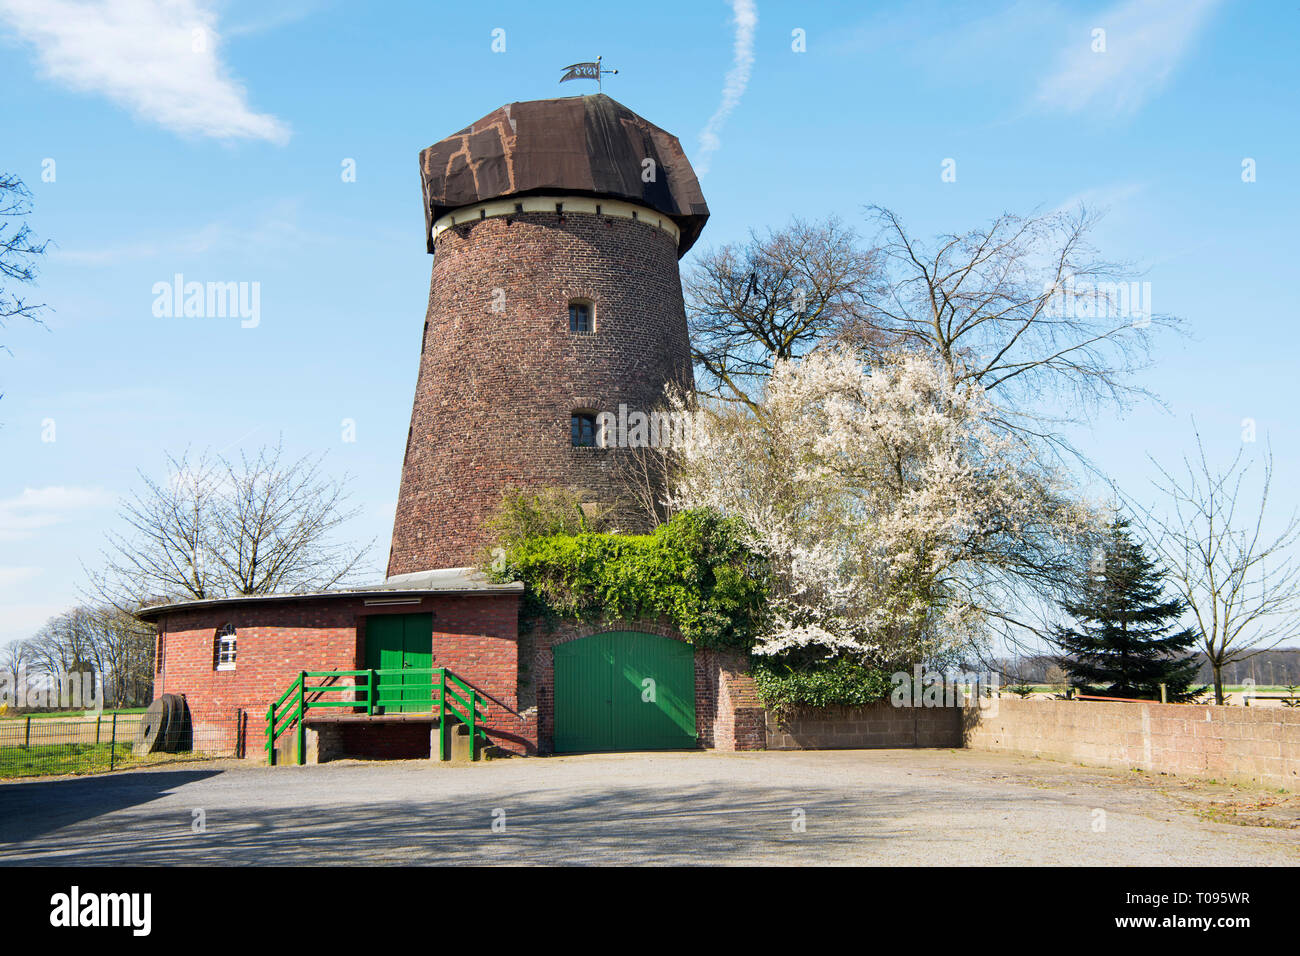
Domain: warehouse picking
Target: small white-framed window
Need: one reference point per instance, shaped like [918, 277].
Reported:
[224, 648]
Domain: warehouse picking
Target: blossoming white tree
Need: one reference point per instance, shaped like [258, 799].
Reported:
[898, 522]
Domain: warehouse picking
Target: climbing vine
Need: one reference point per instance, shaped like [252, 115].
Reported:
[695, 571]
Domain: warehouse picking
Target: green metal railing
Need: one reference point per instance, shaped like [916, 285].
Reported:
[446, 694]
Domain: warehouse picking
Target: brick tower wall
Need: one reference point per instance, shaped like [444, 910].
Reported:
[496, 389]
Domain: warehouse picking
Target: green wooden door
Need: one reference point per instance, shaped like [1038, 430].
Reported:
[400, 642]
[624, 690]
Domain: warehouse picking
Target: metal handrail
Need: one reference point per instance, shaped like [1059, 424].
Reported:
[467, 707]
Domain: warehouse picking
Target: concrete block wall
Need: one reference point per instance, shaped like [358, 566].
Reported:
[879, 725]
[1251, 745]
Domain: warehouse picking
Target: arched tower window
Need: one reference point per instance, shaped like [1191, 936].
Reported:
[224, 648]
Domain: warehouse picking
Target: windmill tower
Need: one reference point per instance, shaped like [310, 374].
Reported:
[556, 227]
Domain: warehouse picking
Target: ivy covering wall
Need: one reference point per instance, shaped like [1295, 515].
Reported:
[694, 571]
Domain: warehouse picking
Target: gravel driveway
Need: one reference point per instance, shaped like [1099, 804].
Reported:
[875, 807]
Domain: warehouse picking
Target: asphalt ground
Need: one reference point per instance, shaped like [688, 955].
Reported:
[866, 807]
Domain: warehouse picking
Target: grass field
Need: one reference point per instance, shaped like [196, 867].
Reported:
[57, 759]
[77, 742]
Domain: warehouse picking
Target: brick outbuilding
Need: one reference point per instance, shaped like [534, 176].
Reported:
[230, 658]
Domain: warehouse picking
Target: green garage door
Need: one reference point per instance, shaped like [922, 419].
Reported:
[624, 691]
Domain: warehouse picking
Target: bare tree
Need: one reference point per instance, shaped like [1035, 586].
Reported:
[63, 647]
[216, 528]
[1241, 583]
[100, 641]
[1025, 308]
[14, 658]
[775, 297]
[19, 251]
[643, 476]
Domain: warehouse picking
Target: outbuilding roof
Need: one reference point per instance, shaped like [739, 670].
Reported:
[417, 584]
[584, 145]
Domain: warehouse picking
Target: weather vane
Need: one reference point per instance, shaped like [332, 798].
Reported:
[586, 71]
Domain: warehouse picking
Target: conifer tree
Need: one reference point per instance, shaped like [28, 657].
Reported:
[1126, 642]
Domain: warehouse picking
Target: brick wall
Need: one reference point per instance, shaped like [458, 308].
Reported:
[1255, 745]
[496, 389]
[473, 636]
[737, 713]
[878, 725]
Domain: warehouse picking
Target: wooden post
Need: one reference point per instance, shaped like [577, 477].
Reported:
[27, 734]
[112, 747]
[1164, 697]
[97, 719]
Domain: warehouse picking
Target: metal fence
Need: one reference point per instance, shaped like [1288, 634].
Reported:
[48, 744]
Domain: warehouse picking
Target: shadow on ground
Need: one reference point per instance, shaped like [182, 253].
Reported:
[29, 809]
[618, 824]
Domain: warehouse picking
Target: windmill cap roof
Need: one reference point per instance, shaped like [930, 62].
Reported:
[584, 145]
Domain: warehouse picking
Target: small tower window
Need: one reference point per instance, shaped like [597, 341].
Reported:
[224, 648]
[583, 429]
[580, 317]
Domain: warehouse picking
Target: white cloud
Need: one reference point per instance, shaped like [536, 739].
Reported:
[1145, 42]
[1102, 198]
[158, 58]
[746, 20]
[35, 508]
[254, 233]
[11, 576]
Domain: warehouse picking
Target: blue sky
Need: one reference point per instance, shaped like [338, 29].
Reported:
[218, 155]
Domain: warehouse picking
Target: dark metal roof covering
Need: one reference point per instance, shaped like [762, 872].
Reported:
[586, 145]
[469, 581]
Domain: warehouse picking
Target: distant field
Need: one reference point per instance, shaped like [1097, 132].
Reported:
[73, 714]
[1232, 693]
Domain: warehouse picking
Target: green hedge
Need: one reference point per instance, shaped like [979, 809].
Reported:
[694, 570]
[835, 683]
